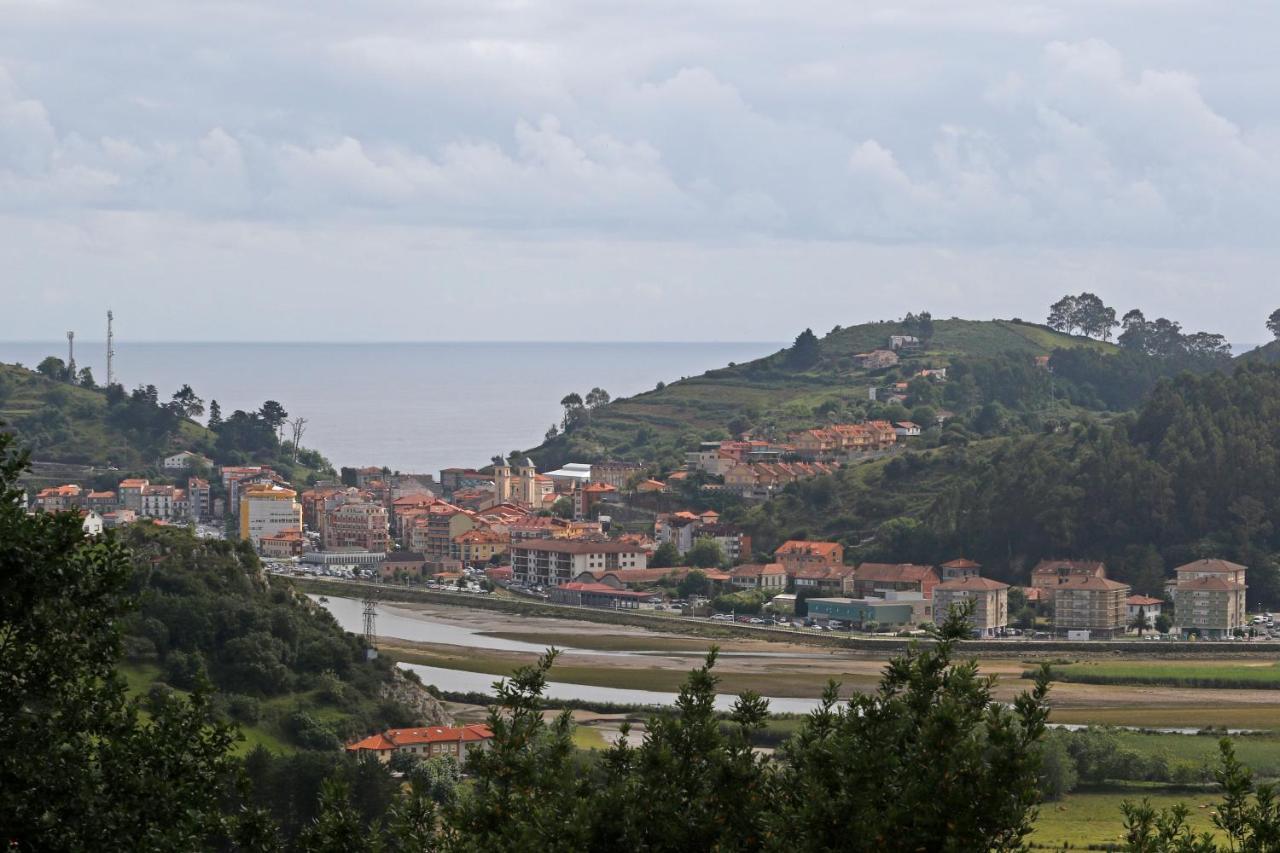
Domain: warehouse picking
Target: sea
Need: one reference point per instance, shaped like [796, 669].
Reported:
[413, 407]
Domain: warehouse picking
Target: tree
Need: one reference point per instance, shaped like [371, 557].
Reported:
[1273, 323]
[573, 411]
[706, 553]
[1163, 623]
[665, 556]
[1139, 622]
[596, 398]
[188, 403]
[1092, 317]
[86, 378]
[53, 367]
[551, 433]
[805, 351]
[693, 583]
[273, 414]
[215, 415]
[1062, 314]
[91, 774]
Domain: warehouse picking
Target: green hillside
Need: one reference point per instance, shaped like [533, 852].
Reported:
[103, 432]
[772, 394]
[1265, 354]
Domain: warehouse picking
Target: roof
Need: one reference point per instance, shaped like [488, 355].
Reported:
[1210, 582]
[893, 572]
[832, 550]
[569, 546]
[961, 563]
[1089, 582]
[750, 570]
[1047, 567]
[1142, 601]
[394, 738]
[971, 584]
[1212, 565]
[604, 588]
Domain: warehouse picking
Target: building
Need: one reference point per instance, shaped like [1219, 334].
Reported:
[604, 590]
[822, 579]
[651, 487]
[586, 498]
[1090, 603]
[871, 579]
[457, 742]
[894, 610]
[990, 615]
[907, 429]
[267, 511]
[616, 474]
[903, 342]
[369, 474]
[954, 570]
[362, 526]
[165, 502]
[1145, 605]
[1048, 574]
[770, 577]
[433, 534]
[517, 484]
[183, 460]
[199, 498]
[93, 523]
[101, 501]
[479, 545]
[551, 562]
[1209, 599]
[282, 545]
[796, 554]
[876, 359]
[402, 564]
[59, 498]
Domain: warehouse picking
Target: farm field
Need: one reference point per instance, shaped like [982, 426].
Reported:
[1264, 674]
[1094, 817]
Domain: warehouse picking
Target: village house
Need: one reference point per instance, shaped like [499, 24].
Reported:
[616, 474]
[282, 545]
[1209, 599]
[1089, 604]
[959, 569]
[823, 579]
[165, 502]
[427, 742]
[199, 497]
[586, 498]
[651, 487]
[907, 429]
[876, 359]
[796, 554]
[185, 459]
[551, 562]
[130, 492]
[588, 589]
[1144, 605]
[899, 343]
[402, 564]
[871, 579]
[92, 524]
[770, 577]
[479, 545]
[59, 498]
[990, 599]
[432, 534]
[104, 501]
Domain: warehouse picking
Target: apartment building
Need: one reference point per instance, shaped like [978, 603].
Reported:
[268, 510]
[551, 562]
[1209, 599]
[1085, 602]
[358, 525]
[872, 579]
[990, 599]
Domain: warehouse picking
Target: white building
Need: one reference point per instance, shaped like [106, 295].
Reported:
[184, 459]
[92, 525]
[1146, 605]
[268, 511]
[551, 562]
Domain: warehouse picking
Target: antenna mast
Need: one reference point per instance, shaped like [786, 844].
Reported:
[71, 356]
[370, 623]
[111, 352]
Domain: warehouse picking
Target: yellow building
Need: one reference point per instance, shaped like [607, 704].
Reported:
[268, 510]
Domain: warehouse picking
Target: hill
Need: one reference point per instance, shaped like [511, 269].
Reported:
[1265, 354]
[110, 432]
[777, 393]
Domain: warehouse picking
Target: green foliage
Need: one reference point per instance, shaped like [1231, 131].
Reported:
[805, 351]
[743, 602]
[665, 556]
[693, 583]
[706, 553]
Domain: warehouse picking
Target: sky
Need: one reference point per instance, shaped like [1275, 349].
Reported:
[588, 170]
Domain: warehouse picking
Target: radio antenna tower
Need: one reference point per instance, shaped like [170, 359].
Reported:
[111, 352]
[71, 356]
[370, 624]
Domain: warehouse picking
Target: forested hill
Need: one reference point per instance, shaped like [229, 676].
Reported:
[1265, 354]
[812, 382]
[1194, 472]
[85, 425]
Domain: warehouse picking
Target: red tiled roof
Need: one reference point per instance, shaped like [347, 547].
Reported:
[1142, 601]
[583, 586]
[961, 564]
[1089, 582]
[973, 583]
[893, 572]
[1210, 582]
[393, 738]
[1217, 566]
[799, 546]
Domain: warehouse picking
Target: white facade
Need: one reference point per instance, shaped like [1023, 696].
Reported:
[268, 512]
[92, 523]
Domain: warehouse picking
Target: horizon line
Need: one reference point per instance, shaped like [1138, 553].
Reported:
[62, 342]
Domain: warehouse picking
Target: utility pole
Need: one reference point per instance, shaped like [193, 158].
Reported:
[111, 352]
[370, 624]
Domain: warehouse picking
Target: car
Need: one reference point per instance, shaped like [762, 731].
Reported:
[757, 621]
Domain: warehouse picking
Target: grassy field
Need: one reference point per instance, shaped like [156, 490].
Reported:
[608, 642]
[1094, 817]
[1252, 717]
[1263, 675]
[1260, 752]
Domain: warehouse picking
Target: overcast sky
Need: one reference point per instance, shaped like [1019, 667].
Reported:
[733, 170]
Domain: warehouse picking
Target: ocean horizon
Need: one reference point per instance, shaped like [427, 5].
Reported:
[411, 406]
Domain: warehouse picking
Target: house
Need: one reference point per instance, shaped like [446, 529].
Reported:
[990, 600]
[551, 562]
[876, 359]
[936, 373]
[185, 459]
[433, 532]
[1145, 605]
[282, 545]
[59, 498]
[893, 610]
[586, 498]
[878, 578]
[903, 342]
[479, 545]
[92, 524]
[428, 742]
[616, 474]
[165, 502]
[795, 554]
[770, 577]
[954, 570]
[118, 518]
[357, 526]
[101, 501]
[198, 497]
[906, 429]
[1209, 599]
[402, 564]
[651, 487]
[369, 474]
[824, 579]
[1091, 604]
[1049, 574]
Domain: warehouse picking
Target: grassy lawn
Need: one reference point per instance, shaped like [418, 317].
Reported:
[1253, 717]
[607, 642]
[1094, 817]
[585, 737]
[1263, 675]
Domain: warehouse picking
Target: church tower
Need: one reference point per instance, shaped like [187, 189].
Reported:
[502, 483]
[527, 473]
